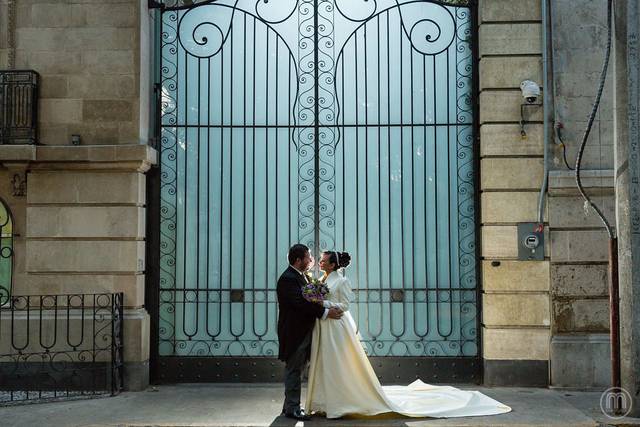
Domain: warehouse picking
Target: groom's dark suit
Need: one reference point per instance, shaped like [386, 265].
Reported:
[295, 323]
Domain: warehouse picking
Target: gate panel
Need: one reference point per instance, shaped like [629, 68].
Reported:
[230, 181]
[404, 198]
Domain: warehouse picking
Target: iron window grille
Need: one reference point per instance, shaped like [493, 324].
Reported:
[19, 106]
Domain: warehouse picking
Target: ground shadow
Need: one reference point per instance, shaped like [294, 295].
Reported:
[354, 420]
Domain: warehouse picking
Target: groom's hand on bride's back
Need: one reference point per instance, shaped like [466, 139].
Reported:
[334, 313]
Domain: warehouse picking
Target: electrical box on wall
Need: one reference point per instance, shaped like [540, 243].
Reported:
[530, 242]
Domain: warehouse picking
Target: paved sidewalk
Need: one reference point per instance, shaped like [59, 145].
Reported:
[259, 405]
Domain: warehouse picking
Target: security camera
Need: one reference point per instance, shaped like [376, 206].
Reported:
[530, 91]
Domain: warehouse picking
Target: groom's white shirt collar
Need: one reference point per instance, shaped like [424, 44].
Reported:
[299, 272]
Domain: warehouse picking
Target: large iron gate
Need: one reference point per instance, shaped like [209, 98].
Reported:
[341, 124]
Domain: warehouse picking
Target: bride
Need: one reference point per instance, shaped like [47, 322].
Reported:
[342, 381]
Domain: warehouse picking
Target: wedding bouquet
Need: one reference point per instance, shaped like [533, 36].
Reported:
[315, 290]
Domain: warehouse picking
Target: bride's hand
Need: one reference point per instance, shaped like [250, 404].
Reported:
[334, 313]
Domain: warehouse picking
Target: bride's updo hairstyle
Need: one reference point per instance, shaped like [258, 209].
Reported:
[340, 259]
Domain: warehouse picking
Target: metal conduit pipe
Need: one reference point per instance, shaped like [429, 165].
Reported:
[547, 110]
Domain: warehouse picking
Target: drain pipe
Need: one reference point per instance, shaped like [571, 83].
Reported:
[546, 100]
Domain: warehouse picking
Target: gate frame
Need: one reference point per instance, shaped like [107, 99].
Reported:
[390, 370]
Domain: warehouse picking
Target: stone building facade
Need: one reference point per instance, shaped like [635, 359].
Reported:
[560, 304]
[82, 225]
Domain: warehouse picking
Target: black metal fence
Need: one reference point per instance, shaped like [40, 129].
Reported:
[60, 346]
[18, 107]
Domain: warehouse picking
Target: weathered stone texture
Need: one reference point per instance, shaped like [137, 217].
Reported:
[509, 10]
[511, 173]
[505, 140]
[510, 39]
[85, 52]
[511, 276]
[516, 343]
[581, 315]
[509, 207]
[517, 309]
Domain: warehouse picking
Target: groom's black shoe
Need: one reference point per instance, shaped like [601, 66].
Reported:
[298, 414]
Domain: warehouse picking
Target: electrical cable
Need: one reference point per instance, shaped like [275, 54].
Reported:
[592, 115]
[563, 145]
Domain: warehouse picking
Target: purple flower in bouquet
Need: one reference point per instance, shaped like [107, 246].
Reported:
[315, 290]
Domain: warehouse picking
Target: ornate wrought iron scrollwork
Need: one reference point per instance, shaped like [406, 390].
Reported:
[430, 313]
[205, 39]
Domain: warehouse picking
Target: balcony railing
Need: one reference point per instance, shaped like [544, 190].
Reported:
[18, 107]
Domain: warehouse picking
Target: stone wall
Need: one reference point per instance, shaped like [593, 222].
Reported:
[87, 54]
[6, 33]
[555, 310]
[579, 40]
[81, 229]
[579, 287]
[516, 311]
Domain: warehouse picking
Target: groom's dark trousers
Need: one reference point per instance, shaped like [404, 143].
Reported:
[296, 318]
[293, 375]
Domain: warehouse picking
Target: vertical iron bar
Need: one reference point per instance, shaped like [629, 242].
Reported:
[253, 180]
[379, 163]
[413, 195]
[426, 216]
[93, 330]
[448, 163]
[448, 217]
[400, 94]
[316, 150]
[185, 193]
[231, 31]
[277, 132]
[208, 216]
[266, 174]
[344, 144]
[221, 206]
[113, 345]
[289, 113]
[366, 174]
[435, 188]
[197, 194]
[390, 258]
[357, 168]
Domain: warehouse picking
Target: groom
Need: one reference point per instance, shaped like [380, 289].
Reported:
[295, 323]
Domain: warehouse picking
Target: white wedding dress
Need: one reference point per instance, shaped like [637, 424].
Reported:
[342, 381]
